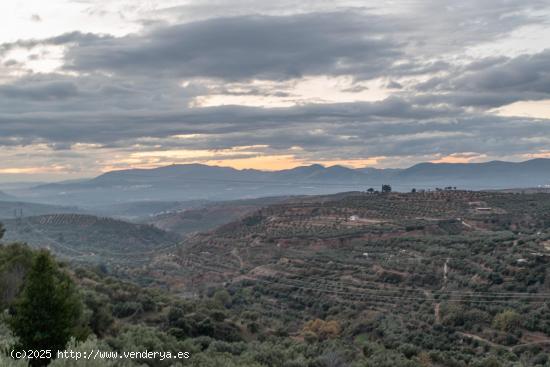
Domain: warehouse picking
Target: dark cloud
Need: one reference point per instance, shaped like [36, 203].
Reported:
[526, 73]
[112, 124]
[392, 127]
[435, 25]
[67, 95]
[247, 47]
[54, 90]
[73, 38]
[392, 84]
[352, 42]
[492, 82]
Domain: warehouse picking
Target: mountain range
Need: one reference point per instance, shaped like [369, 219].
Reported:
[202, 182]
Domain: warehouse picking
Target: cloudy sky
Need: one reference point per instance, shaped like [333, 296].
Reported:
[90, 86]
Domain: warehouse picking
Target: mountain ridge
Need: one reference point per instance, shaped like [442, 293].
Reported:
[316, 166]
[197, 181]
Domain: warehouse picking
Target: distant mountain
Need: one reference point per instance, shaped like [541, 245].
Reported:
[200, 182]
[494, 174]
[197, 182]
[319, 174]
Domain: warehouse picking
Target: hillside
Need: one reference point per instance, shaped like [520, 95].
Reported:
[89, 238]
[445, 263]
[122, 317]
[333, 222]
[448, 278]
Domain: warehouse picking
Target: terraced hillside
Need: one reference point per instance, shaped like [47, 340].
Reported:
[356, 223]
[90, 238]
[446, 264]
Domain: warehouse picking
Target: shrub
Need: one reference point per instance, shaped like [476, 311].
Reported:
[507, 321]
[323, 329]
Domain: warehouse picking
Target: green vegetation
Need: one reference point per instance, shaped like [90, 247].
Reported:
[47, 312]
[356, 279]
[507, 321]
[88, 238]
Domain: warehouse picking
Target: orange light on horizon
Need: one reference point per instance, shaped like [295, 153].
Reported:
[31, 170]
[545, 154]
[259, 162]
[460, 158]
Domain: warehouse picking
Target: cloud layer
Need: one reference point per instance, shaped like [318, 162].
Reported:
[407, 84]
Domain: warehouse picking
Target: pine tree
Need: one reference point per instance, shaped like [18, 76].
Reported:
[47, 311]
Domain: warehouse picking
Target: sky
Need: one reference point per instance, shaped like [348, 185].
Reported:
[92, 86]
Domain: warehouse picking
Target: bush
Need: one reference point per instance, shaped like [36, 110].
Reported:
[127, 309]
[323, 329]
[507, 321]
